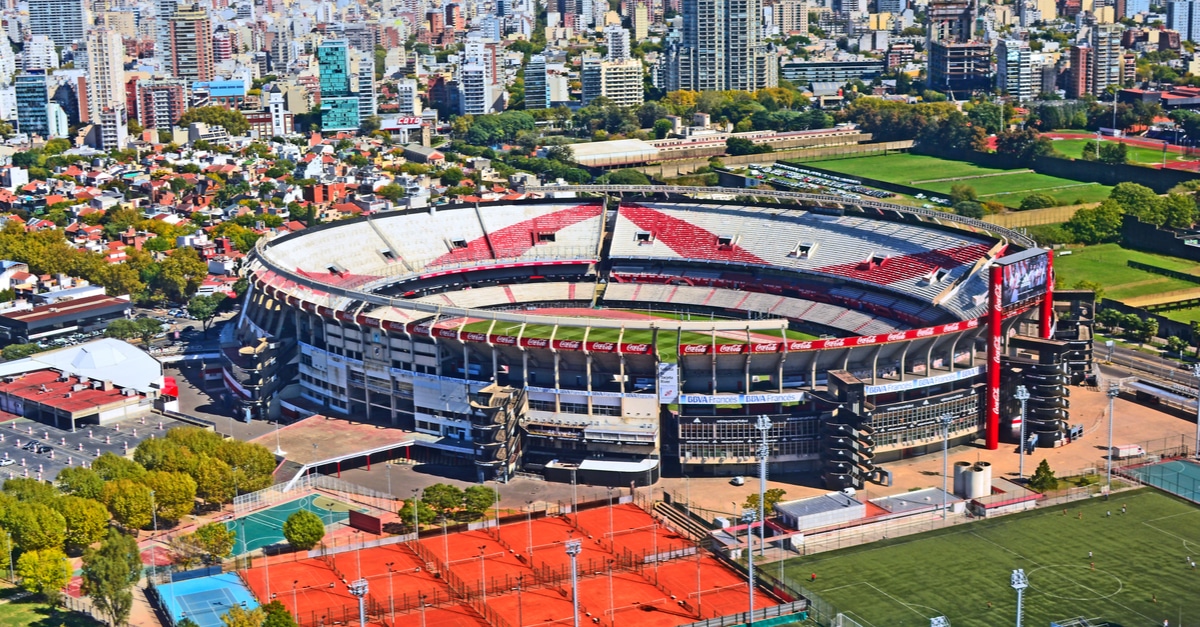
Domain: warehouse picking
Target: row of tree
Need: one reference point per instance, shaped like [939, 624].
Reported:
[442, 502]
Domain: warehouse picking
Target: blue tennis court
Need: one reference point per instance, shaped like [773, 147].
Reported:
[265, 527]
[1179, 477]
[206, 599]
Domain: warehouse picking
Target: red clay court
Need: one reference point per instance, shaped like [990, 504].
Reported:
[643, 574]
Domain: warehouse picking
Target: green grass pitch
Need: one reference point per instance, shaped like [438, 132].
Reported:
[1141, 576]
[1074, 148]
[1009, 188]
[1107, 265]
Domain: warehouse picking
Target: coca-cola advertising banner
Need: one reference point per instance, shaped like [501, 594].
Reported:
[625, 348]
[793, 346]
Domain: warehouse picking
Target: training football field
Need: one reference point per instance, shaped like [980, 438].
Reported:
[1140, 575]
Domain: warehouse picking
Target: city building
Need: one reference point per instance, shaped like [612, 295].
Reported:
[475, 89]
[164, 10]
[1079, 74]
[1183, 17]
[959, 65]
[792, 16]
[537, 90]
[619, 81]
[191, 45]
[408, 96]
[640, 21]
[160, 103]
[840, 72]
[114, 128]
[32, 97]
[339, 104]
[1107, 57]
[63, 21]
[616, 39]
[58, 124]
[1014, 70]
[39, 54]
[106, 70]
[368, 104]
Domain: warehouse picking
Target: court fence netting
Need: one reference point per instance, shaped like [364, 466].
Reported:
[244, 504]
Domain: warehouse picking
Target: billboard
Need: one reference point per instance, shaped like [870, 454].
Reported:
[1024, 276]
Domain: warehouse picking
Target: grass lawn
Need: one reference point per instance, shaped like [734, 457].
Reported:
[33, 613]
[1139, 556]
[1009, 188]
[1106, 265]
[1074, 148]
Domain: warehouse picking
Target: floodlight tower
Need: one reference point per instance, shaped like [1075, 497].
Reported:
[1195, 373]
[945, 421]
[573, 549]
[1019, 583]
[748, 517]
[1114, 390]
[1022, 395]
[764, 451]
[358, 588]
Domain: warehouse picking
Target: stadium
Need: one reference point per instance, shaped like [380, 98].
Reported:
[610, 338]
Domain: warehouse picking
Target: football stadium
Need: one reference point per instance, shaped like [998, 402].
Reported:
[608, 339]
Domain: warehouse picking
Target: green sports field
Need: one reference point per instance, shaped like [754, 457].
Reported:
[1149, 156]
[1008, 187]
[1106, 264]
[1140, 575]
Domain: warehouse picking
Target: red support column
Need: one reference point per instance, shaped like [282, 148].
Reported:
[368, 462]
[339, 470]
[995, 318]
[1048, 304]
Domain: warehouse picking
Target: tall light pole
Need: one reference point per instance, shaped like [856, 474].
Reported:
[1114, 390]
[1196, 373]
[573, 549]
[612, 603]
[945, 420]
[529, 526]
[387, 467]
[1022, 395]
[416, 524]
[748, 517]
[295, 603]
[1019, 583]
[359, 588]
[391, 592]
[421, 600]
[764, 450]
[520, 603]
[482, 573]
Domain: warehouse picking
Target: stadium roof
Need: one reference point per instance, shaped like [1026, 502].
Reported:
[830, 502]
[98, 360]
[615, 152]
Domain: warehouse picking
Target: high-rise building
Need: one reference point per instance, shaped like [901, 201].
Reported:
[164, 10]
[191, 44]
[475, 89]
[1183, 17]
[1079, 74]
[1014, 70]
[58, 124]
[222, 45]
[279, 115]
[106, 70]
[114, 128]
[894, 7]
[619, 81]
[339, 104]
[39, 54]
[722, 47]
[63, 21]
[1107, 57]
[161, 103]
[368, 104]
[640, 21]
[281, 51]
[537, 90]
[792, 17]
[32, 97]
[616, 39]
[958, 64]
[8, 61]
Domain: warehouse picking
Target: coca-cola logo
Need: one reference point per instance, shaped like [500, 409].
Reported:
[446, 333]
[868, 339]
[422, 329]
[637, 348]
[924, 332]
[766, 348]
[996, 348]
[695, 349]
[971, 324]
[896, 337]
[729, 348]
[801, 346]
[477, 337]
[506, 339]
[538, 342]
[602, 346]
[950, 328]
[835, 343]
[571, 345]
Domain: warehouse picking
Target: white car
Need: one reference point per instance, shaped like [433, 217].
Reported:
[7, 462]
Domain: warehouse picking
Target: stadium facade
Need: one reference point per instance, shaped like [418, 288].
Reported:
[603, 340]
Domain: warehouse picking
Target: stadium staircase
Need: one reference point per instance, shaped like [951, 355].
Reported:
[682, 521]
[390, 245]
[487, 237]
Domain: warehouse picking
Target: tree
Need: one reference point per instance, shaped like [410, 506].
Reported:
[1176, 344]
[1023, 147]
[215, 541]
[36, 526]
[204, 308]
[443, 498]
[121, 329]
[1043, 479]
[81, 482]
[19, 351]
[129, 502]
[1094, 225]
[85, 521]
[1179, 211]
[163, 454]
[1147, 330]
[1093, 286]
[960, 192]
[31, 490]
[987, 115]
[477, 499]
[771, 498]
[231, 119]
[1114, 153]
[625, 177]
[181, 274]
[277, 615]
[109, 573]
[425, 513]
[1038, 201]
[147, 329]
[969, 208]
[45, 572]
[662, 128]
[174, 494]
[392, 192]
[112, 467]
[303, 530]
[214, 480]
[1140, 201]
[452, 176]
[238, 617]
[741, 146]
[186, 622]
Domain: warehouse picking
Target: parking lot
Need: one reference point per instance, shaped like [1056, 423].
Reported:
[63, 448]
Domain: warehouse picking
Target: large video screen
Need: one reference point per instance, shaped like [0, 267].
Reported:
[1024, 277]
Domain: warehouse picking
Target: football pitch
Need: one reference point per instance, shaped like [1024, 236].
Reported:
[1008, 187]
[1138, 573]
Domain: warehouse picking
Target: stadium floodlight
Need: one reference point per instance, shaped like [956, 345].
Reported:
[1022, 394]
[945, 420]
[1019, 583]
[1114, 390]
[482, 572]
[573, 548]
[359, 588]
[748, 517]
[764, 450]
[1196, 373]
